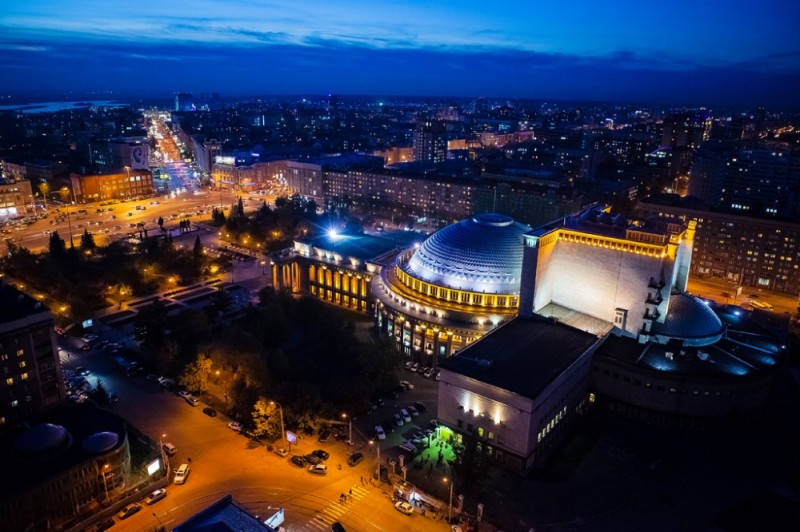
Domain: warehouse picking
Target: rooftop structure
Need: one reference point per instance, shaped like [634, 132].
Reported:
[222, 516]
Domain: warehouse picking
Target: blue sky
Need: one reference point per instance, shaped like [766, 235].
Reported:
[707, 51]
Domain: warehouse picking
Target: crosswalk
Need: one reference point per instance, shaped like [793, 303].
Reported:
[334, 511]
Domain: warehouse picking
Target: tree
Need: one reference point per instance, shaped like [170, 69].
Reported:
[195, 376]
[58, 248]
[87, 241]
[44, 188]
[239, 210]
[101, 396]
[150, 323]
[242, 399]
[266, 419]
[220, 303]
[198, 248]
[168, 358]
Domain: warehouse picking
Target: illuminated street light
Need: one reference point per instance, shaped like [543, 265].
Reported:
[350, 433]
[450, 507]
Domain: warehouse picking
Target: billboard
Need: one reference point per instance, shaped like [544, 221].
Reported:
[154, 467]
[291, 437]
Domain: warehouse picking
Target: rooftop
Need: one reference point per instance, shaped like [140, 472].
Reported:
[15, 305]
[362, 247]
[222, 516]
[523, 356]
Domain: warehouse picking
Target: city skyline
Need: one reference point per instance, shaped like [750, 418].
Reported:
[688, 54]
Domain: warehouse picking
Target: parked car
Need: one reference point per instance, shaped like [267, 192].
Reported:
[324, 434]
[280, 451]
[429, 373]
[156, 496]
[192, 400]
[105, 525]
[312, 459]
[298, 460]
[407, 385]
[380, 432]
[318, 469]
[438, 375]
[355, 459]
[80, 370]
[129, 510]
[182, 473]
[414, 367]
[420, 406]
[184, 394]
[235, 426]
[405, 415]
[412, 411]
[421, 370]
[404, 507]
[397, 420]
[322, 454]
[419, 435]
[409, 364]
[210, 411]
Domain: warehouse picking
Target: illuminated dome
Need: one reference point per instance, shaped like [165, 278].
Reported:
[690, 320]
[480, 254]
[100, 442]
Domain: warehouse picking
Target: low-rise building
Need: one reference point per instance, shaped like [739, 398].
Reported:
[125, 185]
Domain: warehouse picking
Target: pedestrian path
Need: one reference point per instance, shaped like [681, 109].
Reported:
[334, 511]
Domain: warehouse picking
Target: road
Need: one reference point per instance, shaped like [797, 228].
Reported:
[224, 462]
[723, 292]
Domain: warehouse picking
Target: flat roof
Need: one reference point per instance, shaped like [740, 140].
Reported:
[15, 305]
[522, 356]
[362, 247]
[222, 516]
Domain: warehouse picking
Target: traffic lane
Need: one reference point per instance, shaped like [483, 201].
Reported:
[724, 292]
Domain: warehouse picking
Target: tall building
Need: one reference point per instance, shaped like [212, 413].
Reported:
[31, 379]
[688, 130]
[430, 141]
[183, 101]
[761, 179]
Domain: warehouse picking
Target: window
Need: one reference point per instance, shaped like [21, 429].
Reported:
[460, 423]
[10, 381]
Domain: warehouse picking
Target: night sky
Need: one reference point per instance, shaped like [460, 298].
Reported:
[678, 52]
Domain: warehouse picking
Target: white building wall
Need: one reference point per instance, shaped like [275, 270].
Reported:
[514, 411]
[597, 281]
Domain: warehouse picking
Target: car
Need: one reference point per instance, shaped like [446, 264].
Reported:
[438, 376]
[210, 411]
[182, 473]
[153, 377]
[322, 454]
[318, 469]
[404, 507]
[405, 415]
[184, 393]
[169, 449]
[312, 459]
[192, 400]
[337, 527]
[324, 434]
[280, 451]
[298, 460]
[412, 411]
[156, 496]
[397, 420]
[409, 447]
[355, 459]
[105, 525]
[129, 510]
[379, 432]
[80, 370]
[421, 370]
[414, 367]
[235, 426]
[167, 383]
[429, 373]
[85, 347]
[420, 406]
[407, 385]
[409, 364]
[419, 435]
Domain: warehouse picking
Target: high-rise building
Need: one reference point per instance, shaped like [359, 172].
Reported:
[31, 378]
[686, 130]
[183, 101]
[430, 141]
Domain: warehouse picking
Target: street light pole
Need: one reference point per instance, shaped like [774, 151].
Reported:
[450, 507]
[349, 434]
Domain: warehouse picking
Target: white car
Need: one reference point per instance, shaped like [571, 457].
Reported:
[184, 394]
[404, 507]
[379, 432]
[407, 385]
[156, 496]
[318, 469]
[235, 426]
[405, 415]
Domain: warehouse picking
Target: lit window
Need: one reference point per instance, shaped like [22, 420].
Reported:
[10, 381]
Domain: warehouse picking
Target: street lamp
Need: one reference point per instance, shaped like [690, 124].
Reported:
[105, 484]
[450, 507]
[283, 432]
[350, 433]
[378, 447]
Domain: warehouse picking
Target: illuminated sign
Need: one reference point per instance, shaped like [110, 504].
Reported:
[87, 323]
[223, 159]
[291, 437]
[276, 519]
[154, 467]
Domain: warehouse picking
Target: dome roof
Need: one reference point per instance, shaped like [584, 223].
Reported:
[100, 442]
[41, 438]
[688, 318]
[479, 254]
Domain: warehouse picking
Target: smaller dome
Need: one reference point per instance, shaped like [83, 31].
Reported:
[41, 438]
[100, 442]
[690, 320]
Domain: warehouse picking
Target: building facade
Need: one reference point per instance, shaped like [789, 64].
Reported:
[16, 199]
[31, 379]
[126, 185]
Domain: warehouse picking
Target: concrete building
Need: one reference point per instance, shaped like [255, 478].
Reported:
[16, 199]
[31, 379]
[740, 249]
[125, 185]
[227, 514]
[430, 141]
[62, 467]
[517, 389]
